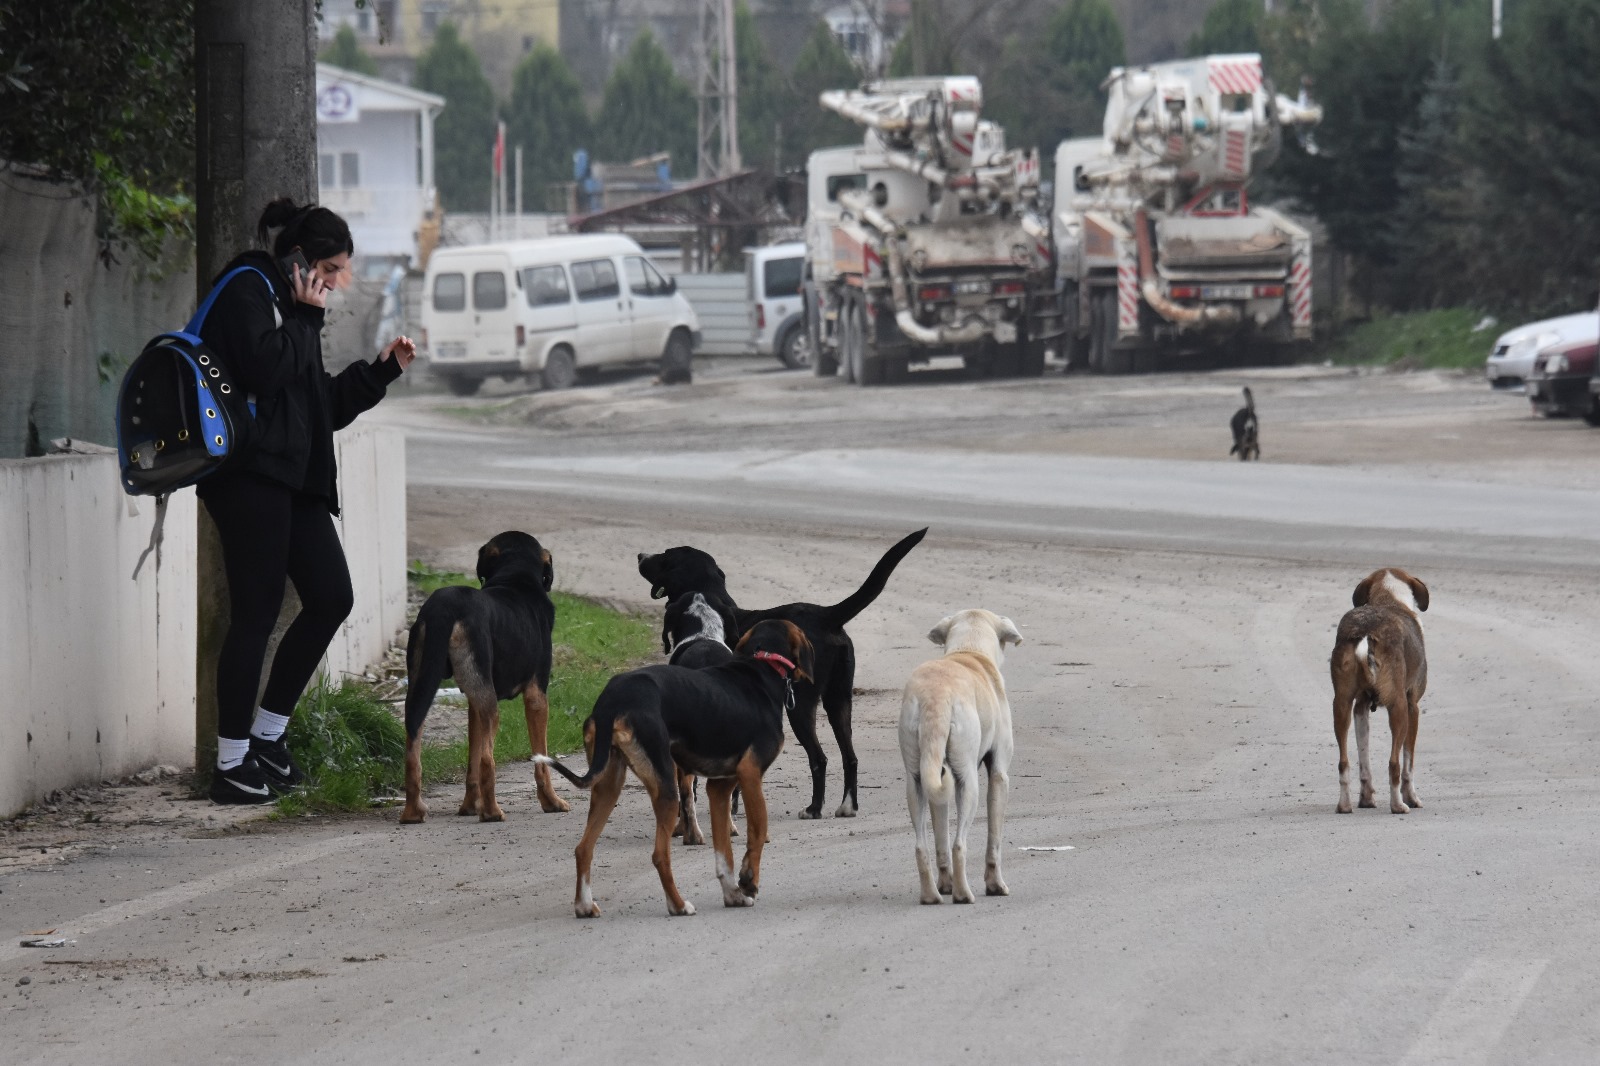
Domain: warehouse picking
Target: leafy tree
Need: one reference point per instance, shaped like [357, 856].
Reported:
[1230, 26]
[345, 52]
[821, 65]
[464, 132]
[1533, 126]
[103, 95]
[647, 108]
[546, 116]
[902, 60]
[1082, 42]
[766, 105]
[1435, 225]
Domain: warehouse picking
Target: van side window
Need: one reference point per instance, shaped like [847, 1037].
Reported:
[488, 291]
[845, 181]
[595, 279]
[545, 286]
[450, 292]
[782, 277]
[644, 279]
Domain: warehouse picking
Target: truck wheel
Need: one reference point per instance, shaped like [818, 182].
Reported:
[824, 364]
[560, 371]
[677, 359]
[794, 348]
[847, 341]
[869, 364]
[1103, 356]
[462, 385]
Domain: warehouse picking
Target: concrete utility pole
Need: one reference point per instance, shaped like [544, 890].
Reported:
[256, 131]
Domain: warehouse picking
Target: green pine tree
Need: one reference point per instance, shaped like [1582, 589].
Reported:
[1230, 26]
[345, 52]
[646, 109]
[464, 132]
[822, 64]
[546, 117]
[1082, 42]
[766, 104]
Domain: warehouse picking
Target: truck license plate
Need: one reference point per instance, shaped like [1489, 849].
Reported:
[968, 288]
[1225, 292]
[451, 350]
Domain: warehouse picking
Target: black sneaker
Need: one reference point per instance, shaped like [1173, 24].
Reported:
[273, 757]
[245, 783]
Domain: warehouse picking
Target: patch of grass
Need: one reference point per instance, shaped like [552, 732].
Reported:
[1441, 339]
[349, 744]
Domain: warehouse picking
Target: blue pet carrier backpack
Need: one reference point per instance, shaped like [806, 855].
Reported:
[180, 415]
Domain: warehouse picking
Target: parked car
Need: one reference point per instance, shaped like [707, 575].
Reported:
[1513, 354]
[552, 308]
[1558, 384]
[777, 310]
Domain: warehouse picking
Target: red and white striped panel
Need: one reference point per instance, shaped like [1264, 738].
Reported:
[1236, 153]
[1300, 291]
[871, 262]
[1128, 293]
[1235, 75]
[963, 144]
[1175, 146]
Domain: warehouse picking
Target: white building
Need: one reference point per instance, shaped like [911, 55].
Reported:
[375, 162]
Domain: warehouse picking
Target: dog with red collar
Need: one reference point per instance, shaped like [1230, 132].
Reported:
[723, 723]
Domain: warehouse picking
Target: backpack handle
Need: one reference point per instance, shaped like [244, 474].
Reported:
[193, 328]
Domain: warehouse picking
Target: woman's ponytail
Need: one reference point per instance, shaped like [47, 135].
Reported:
[318, 232]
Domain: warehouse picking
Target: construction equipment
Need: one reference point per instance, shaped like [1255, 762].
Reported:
[1158, 248]
[927, 239]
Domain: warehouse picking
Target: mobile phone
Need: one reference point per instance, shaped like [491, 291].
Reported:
[294, 259]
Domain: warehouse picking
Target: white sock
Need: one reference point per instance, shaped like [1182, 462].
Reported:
[230, 753]
[269, 726]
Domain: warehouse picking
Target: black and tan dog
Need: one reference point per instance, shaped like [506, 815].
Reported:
[693, 636]
[682, 570]
[495, 641]
[724, 723]
[1246, 430]
[1379, 661]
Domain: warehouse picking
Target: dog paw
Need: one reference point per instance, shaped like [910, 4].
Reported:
[1367, 801]
[810, 813]
[555, 806]
[466, 810]
[493, 814]
[688, 909]
[737, 899]
[1398, 808]
[929, 901]
[1343, 808]
[414, 816]
[846, 810]
[586, 910]
[996, 888]
[967, 897]
[946, 886]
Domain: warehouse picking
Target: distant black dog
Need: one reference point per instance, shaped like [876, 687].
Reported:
[495, 641]
[677, 571]
[1246, 430]
[724, 723]
[692, 635]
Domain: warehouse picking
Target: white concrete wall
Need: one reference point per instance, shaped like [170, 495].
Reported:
[97, 671]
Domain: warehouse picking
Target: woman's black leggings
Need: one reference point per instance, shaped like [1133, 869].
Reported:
[270, 532]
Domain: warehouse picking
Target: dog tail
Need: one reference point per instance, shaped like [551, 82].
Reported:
[858, 601]
[1369, 660]
[934, 739]
[427, 664]
[1249, 400]
[587, 780]
[599, 752]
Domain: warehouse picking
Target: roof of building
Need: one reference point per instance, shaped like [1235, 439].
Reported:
[378, 94]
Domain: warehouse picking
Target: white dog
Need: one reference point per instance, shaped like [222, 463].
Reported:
[953, 715]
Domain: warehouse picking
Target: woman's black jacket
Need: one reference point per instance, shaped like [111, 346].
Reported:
[272, 345]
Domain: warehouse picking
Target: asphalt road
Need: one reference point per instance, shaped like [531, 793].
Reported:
[1172, 723]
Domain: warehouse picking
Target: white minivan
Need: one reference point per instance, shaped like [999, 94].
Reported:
[777, 311]
[553, 307]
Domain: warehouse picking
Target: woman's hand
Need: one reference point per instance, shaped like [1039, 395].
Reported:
[404, 349]
[309, 288]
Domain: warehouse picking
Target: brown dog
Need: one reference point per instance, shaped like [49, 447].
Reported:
[1379, 660]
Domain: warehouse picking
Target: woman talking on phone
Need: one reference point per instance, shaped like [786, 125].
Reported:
[274, 506]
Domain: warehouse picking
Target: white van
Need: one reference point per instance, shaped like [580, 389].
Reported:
[553, 307]
[777, 313]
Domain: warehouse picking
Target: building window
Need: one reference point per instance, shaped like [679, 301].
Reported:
[349, 170]
[325, 171]
[433, 14]
[364, 22]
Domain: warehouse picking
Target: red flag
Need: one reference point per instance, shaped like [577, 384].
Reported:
[500, 150]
